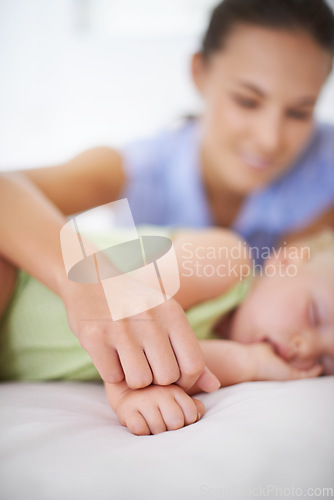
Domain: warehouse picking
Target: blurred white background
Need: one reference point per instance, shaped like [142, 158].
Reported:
[81, 73]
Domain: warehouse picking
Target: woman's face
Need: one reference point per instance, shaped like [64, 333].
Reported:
[259, 93]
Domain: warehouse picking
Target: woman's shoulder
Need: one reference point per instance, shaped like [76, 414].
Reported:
[314, 166]
[324, 144]
[155, 150]
[321, 145]
[325, 129]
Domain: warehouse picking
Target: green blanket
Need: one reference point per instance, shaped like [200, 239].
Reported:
[36, 342]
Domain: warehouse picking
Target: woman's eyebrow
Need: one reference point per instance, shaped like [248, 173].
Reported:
[306, 100]
[250, 86]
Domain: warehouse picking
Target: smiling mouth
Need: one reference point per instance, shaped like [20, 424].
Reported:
[255, 162]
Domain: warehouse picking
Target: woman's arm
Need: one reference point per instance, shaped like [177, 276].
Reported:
[30, 225]
[33, 205]
[92, 178]
[29, 230]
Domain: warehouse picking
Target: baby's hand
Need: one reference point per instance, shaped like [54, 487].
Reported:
[267, 365]
[156, 409]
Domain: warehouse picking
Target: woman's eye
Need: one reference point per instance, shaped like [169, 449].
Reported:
[246, 103]
[314, 314]
[299, 115]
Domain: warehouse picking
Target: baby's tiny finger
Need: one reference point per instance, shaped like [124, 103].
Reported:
[200, 408]
[172, 414]
[137, 424]
[188, 406]
[315, 371]
[154, 420]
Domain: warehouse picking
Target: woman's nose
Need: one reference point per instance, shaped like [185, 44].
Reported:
[270, 131]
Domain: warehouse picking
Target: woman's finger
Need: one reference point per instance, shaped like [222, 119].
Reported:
[162, 361]
[134, 363]
[191, 360]
[207, 381]
[106, 361]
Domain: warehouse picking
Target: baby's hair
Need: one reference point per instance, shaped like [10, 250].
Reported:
[323, 240]
[319, 242]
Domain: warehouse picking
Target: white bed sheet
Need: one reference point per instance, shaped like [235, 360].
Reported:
[62, 441]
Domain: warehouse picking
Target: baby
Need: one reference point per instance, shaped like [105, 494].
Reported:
[278, 325]
[283, 329]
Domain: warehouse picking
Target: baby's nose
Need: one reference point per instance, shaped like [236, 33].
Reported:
[304, 346]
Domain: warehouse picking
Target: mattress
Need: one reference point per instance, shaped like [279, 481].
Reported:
[61, 440]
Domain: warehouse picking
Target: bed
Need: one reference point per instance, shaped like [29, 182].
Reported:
[61, 440]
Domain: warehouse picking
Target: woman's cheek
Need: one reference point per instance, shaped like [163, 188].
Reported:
[237, 120]
[230, 124]
[297, 136]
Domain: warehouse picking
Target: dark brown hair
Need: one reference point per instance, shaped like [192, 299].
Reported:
[312, 16]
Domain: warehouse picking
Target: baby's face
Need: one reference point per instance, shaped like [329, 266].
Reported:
[295, 314]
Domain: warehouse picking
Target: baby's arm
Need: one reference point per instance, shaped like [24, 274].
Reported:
[233, 363]
[230, 361]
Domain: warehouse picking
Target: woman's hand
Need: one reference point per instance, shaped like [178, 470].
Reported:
[157, 409]
[267, 365]
[157, 346]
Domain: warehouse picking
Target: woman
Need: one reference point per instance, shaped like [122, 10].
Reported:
[255, 161]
